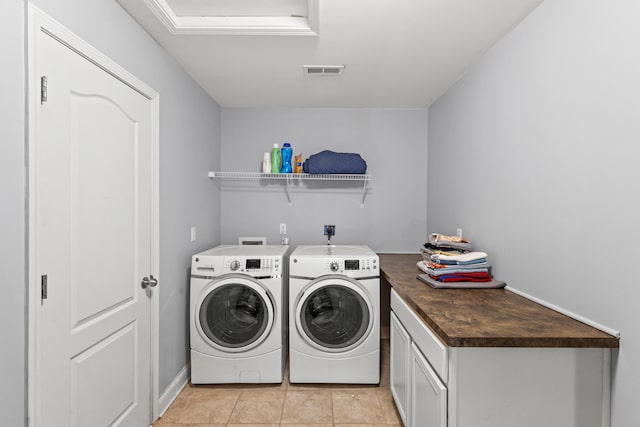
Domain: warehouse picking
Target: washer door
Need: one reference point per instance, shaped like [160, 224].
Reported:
[235, 313]
[334, 314]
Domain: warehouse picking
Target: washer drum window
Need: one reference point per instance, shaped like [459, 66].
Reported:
[334, 316]
[235, 316]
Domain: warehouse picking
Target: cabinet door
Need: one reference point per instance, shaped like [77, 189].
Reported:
[428, 405]
[400, 366]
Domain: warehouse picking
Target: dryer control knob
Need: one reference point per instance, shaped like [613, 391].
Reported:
[334, 266]
[235, 265]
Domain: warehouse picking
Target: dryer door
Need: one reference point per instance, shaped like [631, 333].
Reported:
[235, 313]
[334, 314]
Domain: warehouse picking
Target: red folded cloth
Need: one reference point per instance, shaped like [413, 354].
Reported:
[463, 277]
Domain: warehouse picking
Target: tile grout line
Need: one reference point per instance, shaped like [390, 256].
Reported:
[235, 403]
[333, 407]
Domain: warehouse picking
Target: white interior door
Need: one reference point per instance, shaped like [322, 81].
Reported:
[92, 235]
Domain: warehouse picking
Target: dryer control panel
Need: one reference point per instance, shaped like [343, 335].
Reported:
[207, 266]
[263, 266]
[256, 261]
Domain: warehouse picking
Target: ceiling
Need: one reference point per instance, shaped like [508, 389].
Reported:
[396, 53]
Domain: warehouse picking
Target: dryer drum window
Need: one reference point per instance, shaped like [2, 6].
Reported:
[335, 316]
[234, 316]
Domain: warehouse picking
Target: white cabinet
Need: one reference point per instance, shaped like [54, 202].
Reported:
[428, 395]
[419, 393]
[434, 385]
[400, 366]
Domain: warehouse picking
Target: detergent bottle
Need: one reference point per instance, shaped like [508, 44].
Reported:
[287, 152]
[297, 164]
[275, 159]
[266, 163]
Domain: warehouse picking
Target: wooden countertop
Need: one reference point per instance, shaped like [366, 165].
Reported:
[486, 317]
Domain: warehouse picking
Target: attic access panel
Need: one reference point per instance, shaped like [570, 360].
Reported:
[238, 17]
[239, 7]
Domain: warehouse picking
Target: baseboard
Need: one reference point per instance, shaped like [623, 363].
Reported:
[173, 390]
[554, 307]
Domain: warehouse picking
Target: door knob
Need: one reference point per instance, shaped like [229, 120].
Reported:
[149, 282]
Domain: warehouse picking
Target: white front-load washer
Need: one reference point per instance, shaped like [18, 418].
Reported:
[238, 314]
[334, 315]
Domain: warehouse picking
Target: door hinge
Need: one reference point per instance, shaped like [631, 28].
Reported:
[43, 287]
[43, 89]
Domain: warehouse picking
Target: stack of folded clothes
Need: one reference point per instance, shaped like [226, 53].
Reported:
[439, 244]
[450, 259]
[469, 267]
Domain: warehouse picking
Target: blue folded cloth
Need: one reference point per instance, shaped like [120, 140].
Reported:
[331, 162]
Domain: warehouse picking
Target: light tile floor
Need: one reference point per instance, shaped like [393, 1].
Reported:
[289, 405]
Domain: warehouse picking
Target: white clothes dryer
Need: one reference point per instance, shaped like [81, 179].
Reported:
[238, 314]
[334, 315]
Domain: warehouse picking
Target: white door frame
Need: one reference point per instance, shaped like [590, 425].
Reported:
[38, 22]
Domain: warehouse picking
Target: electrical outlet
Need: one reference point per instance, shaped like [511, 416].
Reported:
[283, 228]
[459, 232]
[329, 229]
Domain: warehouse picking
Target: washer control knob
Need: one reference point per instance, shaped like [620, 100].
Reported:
[334, 266]
[235, 265]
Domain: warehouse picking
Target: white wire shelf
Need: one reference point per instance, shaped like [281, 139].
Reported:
[291, 177]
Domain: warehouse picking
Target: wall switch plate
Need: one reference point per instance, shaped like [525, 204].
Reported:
[459, 232]
[283, 228]
[193, 234]
[329, 229]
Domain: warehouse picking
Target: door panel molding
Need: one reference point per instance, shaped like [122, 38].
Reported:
[41, 25]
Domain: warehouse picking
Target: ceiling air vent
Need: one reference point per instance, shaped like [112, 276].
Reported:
[323, 70]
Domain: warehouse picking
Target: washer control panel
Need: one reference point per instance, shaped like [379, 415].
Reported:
[354, 267]
[350, 267]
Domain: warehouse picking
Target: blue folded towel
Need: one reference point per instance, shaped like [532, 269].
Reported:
[331, 162]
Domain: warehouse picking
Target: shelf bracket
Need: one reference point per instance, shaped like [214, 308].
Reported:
[364, 192]
[286, 189]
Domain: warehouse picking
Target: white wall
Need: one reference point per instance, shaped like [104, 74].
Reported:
[189, 148]
[534, 153]
[12, 222]
[393, 142]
